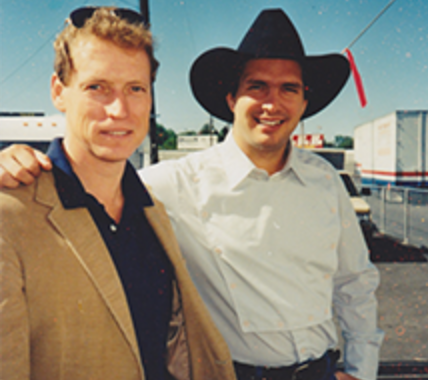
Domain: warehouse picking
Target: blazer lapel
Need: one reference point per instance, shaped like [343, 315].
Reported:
[82, 236]
[158, 219]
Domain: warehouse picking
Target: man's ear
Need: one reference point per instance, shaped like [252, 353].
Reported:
[304, 105]
[57, 93]
[231, 102]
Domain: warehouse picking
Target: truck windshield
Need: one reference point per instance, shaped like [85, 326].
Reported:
[349, 185]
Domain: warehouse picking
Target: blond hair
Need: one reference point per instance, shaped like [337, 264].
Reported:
[106, 25]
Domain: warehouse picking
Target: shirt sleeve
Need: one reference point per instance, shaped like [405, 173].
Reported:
[354, 296]
[14, 324]
[162, 181]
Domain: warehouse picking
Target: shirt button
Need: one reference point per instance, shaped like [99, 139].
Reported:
[327, 276]
[218, 251]
[204, 214]
[333, 246]
[232, 285]
[328, 176]
[333, 210]
[195, 179]
[113, 228]
[246, 323]
[280, 324]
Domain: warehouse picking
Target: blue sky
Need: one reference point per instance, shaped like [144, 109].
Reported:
[392, 56]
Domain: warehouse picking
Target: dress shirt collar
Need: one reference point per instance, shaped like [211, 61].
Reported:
[238, 166]
[71, 191]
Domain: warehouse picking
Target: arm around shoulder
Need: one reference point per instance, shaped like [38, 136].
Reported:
[21, 164]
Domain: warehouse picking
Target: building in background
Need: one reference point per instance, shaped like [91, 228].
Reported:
[33, 129]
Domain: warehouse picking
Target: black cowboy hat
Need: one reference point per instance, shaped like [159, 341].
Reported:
[272, 35]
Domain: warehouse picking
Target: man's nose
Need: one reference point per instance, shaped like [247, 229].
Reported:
[118, 107]
[270, 103]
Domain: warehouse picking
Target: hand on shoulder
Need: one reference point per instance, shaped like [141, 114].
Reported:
[21, 164]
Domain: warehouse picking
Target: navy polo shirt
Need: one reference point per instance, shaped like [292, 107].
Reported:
[143, 267]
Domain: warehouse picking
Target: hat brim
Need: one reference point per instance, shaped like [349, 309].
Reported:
[213, 72]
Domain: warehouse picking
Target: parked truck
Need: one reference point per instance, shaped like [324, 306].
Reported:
[393, 149]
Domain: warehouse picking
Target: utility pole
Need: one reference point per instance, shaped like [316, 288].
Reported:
[211, 129]
[302, 134]
[154, 158]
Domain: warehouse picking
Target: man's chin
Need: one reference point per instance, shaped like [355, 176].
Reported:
[111, 155]
[271, 146]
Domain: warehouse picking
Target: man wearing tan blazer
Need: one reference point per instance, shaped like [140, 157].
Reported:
[68, 305]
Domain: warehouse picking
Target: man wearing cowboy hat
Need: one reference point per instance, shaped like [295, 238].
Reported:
[268, 231]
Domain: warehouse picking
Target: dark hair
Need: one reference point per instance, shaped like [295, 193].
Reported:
[238, 70]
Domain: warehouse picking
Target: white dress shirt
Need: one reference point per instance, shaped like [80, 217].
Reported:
[270, 255]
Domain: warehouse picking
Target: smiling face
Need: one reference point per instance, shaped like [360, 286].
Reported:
[267, 106]
[107, 101]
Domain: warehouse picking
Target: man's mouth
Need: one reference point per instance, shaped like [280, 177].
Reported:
[270, 123]
[117, 133]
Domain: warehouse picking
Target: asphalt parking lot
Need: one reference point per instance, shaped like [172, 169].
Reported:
[403, 300]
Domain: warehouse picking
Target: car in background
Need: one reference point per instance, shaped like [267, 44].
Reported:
[361, 207]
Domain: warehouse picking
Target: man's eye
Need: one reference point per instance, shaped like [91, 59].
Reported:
[137, 89]
[255, 87]
[291, 89]
[94, 87]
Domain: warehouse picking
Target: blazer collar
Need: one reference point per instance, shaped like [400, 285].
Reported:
[81, 235]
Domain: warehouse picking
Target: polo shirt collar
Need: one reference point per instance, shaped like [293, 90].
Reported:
[71, 191]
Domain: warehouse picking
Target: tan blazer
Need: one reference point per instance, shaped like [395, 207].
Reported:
[63, 311]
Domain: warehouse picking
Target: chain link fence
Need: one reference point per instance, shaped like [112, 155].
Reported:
[401, 213]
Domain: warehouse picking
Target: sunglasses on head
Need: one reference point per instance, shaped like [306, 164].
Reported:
[80, 15]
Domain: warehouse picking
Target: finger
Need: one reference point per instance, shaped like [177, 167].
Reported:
[6, 180]
[26, 157]
[16, 171]
[43, 160]
[20, 161]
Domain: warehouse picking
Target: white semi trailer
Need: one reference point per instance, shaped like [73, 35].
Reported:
[393, 149]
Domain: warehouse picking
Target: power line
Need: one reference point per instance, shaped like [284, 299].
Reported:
[32, 55]
[369, 25]
[29, 58]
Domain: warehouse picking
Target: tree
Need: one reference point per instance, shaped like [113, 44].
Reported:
[328, 144]
[187, 133]
[208, 130]
[223, 133]
[344, 142]
[166, 138]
